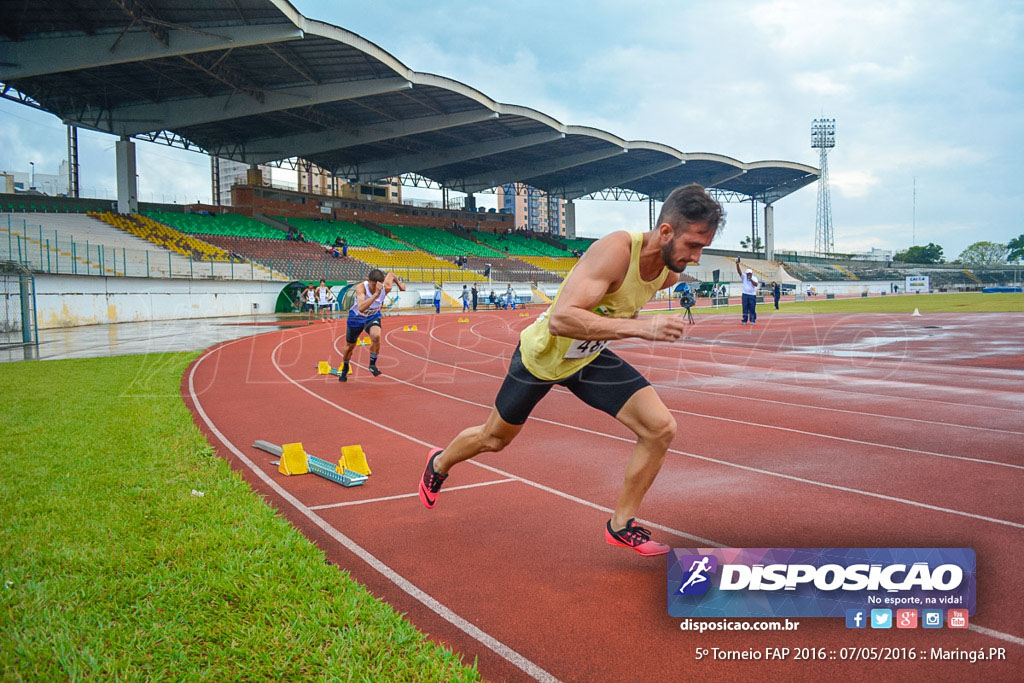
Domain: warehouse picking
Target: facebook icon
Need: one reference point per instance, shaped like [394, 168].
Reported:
[856, 618]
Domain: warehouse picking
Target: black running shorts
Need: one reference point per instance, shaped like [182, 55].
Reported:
[605, 383]
[352, 333]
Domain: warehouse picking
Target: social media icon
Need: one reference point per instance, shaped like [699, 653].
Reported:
[957, 618]
[881, 618]
[906, 618]
[856, 618]
[931, 618]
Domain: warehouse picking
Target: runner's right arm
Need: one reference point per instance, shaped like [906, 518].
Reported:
[604, 265]
[363, 301]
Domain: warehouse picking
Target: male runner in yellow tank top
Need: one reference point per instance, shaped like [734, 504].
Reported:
[599, 302]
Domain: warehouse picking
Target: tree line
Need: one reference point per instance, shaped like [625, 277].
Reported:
[978, 254]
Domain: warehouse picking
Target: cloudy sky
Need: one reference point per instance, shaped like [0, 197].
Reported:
[930, 90]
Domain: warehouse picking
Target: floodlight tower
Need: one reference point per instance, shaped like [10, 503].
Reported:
[823, 138]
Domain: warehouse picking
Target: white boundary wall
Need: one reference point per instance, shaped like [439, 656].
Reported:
[72, 300]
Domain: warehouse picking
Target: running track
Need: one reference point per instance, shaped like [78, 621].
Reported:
[802, 431]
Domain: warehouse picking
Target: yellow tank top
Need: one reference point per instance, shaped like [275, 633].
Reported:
[553, 358]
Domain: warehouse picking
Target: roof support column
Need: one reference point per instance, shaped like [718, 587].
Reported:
[769, 232]
[570, 219]
[650, 213]
[73, 190]
[215, 181]
[753, 225]
[127, 179]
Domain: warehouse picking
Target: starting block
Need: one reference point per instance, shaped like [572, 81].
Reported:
[324, 368]
[524, 315]
[295, 460]
[410, 328]
[353, 458]
[363, 341]
[463, 320]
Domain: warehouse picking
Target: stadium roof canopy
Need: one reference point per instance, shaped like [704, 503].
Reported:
[255, 81]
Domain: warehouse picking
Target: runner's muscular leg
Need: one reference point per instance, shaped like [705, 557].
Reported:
[490, 437]
[374, 339]
[648, 418]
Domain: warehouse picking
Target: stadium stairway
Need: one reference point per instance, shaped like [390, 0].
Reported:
[846, 272]
[971, 275]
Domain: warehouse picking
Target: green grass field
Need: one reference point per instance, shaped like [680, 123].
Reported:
[111, 569]
[905, 303]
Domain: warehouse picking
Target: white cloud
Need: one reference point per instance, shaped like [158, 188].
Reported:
[853, 183]
[820, 83]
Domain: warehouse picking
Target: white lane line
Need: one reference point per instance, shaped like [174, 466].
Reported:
[496, 646]
[856, 441]
[404, 495]
[899, 386]
[705, 458]
[503, 473]
[703, 541]
[334, 533]
[752, 424]
[724, 394]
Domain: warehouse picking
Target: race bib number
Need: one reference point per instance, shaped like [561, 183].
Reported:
[584, 349]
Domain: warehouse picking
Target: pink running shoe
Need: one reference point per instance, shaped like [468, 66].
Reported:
[431, 481]
[635, 537]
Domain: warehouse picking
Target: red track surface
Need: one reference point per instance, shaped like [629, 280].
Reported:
[804, 431]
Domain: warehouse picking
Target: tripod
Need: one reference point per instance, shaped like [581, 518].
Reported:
[687, 303]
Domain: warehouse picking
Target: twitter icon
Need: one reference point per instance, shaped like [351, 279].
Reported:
[881, 618]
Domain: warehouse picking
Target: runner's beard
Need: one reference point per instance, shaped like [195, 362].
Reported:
[666, 257]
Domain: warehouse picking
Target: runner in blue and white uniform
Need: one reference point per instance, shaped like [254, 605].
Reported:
[364, 316]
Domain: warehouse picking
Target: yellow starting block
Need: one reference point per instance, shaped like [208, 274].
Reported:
[295, 460]
[415, 328]
[324, 368]
[353, 458]
[524, 315]
[463, 320]
[363, 341]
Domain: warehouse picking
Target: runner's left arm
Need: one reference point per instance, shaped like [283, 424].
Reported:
[390, 279]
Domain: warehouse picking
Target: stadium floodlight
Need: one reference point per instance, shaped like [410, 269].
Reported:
[823, 133]
[823, 138]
